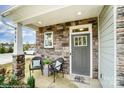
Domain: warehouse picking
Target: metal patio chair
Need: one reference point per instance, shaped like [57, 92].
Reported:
[36, 64]
[56, 67]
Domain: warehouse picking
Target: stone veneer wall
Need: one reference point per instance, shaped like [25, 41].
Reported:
[120, 46]
[19, 66]
[61, 42]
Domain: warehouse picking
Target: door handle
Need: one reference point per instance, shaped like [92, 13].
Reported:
[70, 53]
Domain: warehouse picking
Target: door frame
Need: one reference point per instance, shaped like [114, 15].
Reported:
[91, 48]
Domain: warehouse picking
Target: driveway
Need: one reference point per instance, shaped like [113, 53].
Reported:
[7, 58]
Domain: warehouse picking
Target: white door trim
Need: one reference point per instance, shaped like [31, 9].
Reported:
[91, 48]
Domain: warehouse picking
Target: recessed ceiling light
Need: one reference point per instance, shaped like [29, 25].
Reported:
[81, 29]
[39, 22]
[79, 13]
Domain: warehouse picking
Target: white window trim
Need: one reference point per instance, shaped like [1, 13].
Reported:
[51, 39]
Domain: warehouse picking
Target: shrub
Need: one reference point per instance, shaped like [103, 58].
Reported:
[2, 78]
[2, 50]
[13, 81]
[31, 82]
[2, 71]
[10, 50]
[26, 46]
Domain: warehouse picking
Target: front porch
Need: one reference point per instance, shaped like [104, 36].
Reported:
[55, 38]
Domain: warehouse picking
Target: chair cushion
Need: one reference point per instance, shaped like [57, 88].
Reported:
[58, 64]
[36, 63]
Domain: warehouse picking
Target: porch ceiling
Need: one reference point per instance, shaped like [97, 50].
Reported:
[35, 16]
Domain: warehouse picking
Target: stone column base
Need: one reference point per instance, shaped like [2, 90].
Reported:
[19, 66]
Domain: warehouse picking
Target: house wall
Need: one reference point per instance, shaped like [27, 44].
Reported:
[61, 42]
[106, 36]
[120, 46]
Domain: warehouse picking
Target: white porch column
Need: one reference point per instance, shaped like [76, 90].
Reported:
[18, 56]
[18, 45]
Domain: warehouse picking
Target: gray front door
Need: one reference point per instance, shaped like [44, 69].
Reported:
[80, 57]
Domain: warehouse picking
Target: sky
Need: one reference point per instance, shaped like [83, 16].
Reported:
[4, 7]
[7, 34]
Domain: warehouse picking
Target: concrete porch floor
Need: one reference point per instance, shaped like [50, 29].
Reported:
[66, 82]
[47, 82]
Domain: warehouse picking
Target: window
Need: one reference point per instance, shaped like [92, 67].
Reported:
[80, 30]
[80, 41]
[48, 40]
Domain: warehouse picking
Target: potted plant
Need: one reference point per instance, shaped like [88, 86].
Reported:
[46, 62]
[31, 82]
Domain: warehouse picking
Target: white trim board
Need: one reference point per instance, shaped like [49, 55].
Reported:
[91, 48]
[98, 49]
[115, 47]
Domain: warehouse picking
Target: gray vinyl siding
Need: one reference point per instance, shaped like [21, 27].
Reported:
[106, 34]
